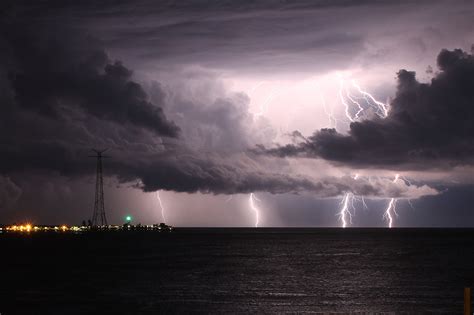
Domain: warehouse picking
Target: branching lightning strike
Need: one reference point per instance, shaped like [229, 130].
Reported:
[381, 109]
[356, 101]
[345, 214]
[348, 206]
[392, 205]
[358, 104]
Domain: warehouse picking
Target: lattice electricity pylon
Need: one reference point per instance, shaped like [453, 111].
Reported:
[98, 216]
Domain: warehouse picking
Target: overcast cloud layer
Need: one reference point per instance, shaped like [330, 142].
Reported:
[264, 37]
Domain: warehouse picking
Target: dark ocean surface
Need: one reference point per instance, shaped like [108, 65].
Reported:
[237, 271]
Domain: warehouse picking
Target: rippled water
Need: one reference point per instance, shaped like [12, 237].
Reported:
[238, 271]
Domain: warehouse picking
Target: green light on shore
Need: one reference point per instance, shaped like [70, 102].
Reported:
[128, 218]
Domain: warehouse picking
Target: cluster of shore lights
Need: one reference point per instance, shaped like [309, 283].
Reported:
[31, 228]
[27, 227]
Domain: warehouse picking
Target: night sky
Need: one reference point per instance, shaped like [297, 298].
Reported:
[303, 103]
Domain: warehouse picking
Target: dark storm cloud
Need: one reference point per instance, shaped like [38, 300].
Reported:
[215, 174]
[429, 125]
[55, 67]
[62, 95]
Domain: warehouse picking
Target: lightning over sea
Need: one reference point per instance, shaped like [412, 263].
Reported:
[249, 267]
[358, 105]
[237, 157]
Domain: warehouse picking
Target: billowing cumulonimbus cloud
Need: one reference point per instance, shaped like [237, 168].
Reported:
[56, 68]
[428, 125]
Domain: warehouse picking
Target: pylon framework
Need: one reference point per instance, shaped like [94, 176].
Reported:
[98, 216]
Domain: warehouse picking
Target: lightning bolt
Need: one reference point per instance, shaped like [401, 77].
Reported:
[392, 207]
[343, 100]
[254, 208]
[397, 176]
[345, 214]
[351, 97]
[358, 104]
[360, 109]
[381, 108]
[363, 202]
[348, 205]
[161, 206]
